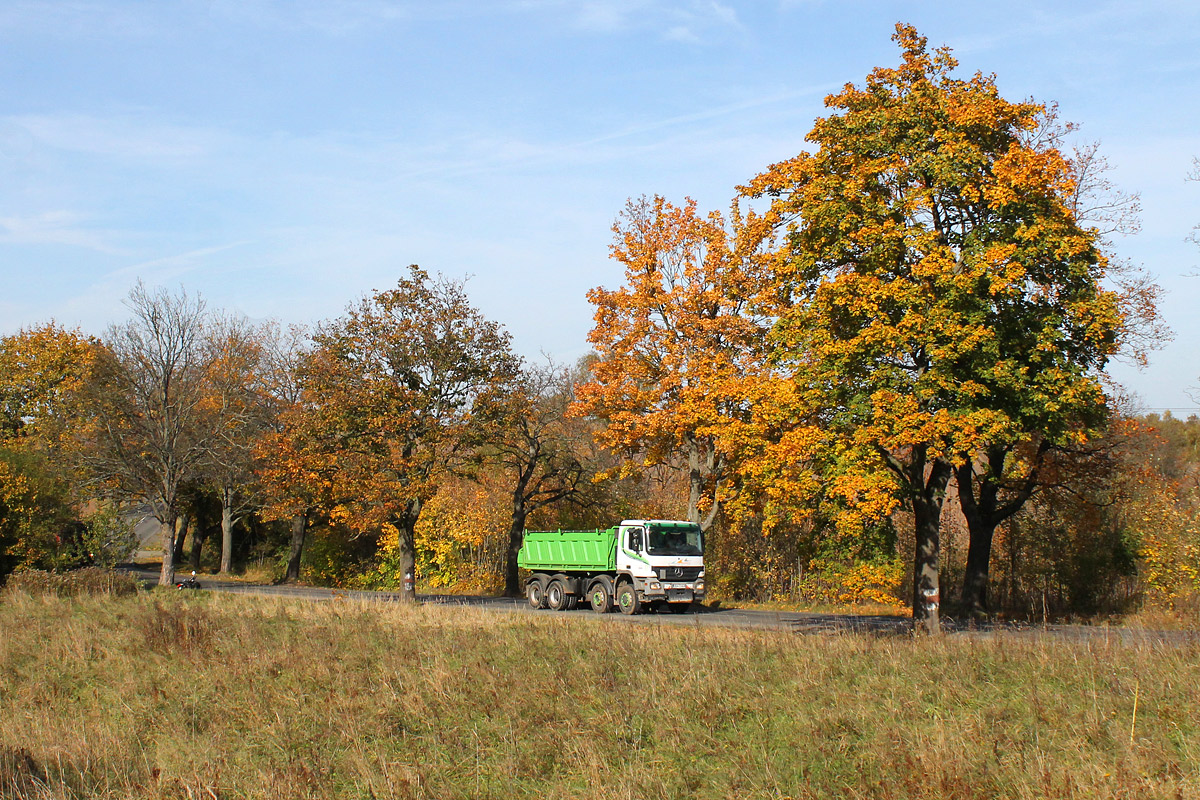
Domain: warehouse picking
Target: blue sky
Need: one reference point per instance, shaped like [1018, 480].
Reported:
[285, 158]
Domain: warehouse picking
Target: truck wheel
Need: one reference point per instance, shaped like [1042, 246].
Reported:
[536, 594]
[627, 599]
[556, 596]
[571, 602]
[600, 595]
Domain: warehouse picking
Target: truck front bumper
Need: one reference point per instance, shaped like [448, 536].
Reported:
[672, 592]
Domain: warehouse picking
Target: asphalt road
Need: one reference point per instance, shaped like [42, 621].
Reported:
[710, 616]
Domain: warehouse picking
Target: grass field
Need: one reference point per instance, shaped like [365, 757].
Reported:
[210, 696]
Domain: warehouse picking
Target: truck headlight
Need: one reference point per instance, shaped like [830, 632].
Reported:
[654, 587]
[699, 586]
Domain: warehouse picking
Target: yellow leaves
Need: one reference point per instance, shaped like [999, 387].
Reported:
[15, 492]
[863, 495]
[841, 583]
[1023, 173]
[675, 342]
[1165, 523]
[461, 537]
[42, 371]
[902, 420]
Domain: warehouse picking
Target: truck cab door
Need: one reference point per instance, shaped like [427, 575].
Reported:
[629, 551]
[635, 543]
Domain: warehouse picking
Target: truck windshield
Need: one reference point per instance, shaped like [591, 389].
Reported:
[675, 542]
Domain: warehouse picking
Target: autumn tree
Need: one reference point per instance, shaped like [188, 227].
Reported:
[462, 537]
[285, 454]
[995, 484]
[235, 412]
[393, 391]
[44, 373]
[943, 297]
[670, 342]
[1162, 510]
[146, 437]
[42, 370]
[539, 450]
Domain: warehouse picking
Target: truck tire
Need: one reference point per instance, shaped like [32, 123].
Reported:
[556, 595]
[627, 599]
[535, 591]
[572, 602]
[600, 595]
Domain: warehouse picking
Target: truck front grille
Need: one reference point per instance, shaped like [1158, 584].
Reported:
[677, 573]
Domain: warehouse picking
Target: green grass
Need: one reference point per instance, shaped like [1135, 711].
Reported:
[203, 695]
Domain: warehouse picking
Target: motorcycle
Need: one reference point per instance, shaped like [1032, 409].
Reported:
[189, 582]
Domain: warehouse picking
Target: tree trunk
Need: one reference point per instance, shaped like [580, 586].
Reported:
[407, 551]
[167, 530]
[980, 503]
[299, 526]
[516, 537]
[199, 534]
[408, 565]
[516, 528]
[978, 571]
[182, 523]
[695, 481]
[702, 468]
[928, 497]
[226, 529]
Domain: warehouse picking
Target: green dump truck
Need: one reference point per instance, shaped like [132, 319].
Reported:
[637, 565]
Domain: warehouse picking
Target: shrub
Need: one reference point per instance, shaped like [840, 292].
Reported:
[109, 538]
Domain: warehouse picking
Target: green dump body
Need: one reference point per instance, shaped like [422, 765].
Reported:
[569, 551]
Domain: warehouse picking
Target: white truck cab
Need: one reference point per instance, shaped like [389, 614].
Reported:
[663, 561]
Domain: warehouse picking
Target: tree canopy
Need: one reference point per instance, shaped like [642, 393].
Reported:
[941, 297]
[391, 394]
[673, 343]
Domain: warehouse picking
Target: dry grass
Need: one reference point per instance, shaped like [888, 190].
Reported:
[161, 695]
[1183, 614]
[86, 581]
[855, 609]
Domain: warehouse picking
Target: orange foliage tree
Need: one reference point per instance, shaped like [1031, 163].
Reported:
[236, 412]
[42, 371]
[392, 394]
[462, 535]
[673, 345]
[941, 297]
[286, 459]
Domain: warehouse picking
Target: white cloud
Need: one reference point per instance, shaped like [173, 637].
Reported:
[607, 16]
[331, 18]
[165, 268]
[78, 19]
[55, 228]
[681, 33]
[129, 137]
[723, 14]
